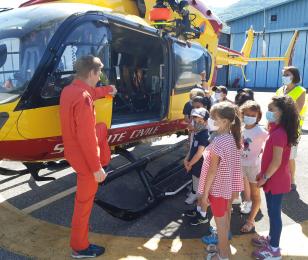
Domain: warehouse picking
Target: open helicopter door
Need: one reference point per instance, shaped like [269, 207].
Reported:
[189, 61]
[40, 121]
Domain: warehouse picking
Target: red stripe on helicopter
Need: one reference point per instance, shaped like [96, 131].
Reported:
[51, 148]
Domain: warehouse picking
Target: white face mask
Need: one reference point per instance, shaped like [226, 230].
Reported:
[218, 96]
[211, 125]
[286, 80]
[249, 120]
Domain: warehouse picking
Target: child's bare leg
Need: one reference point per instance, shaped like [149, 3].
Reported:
[222, 231]
[256, 202]
[247, 193]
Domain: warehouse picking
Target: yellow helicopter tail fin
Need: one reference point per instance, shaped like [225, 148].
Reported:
[247, 47]
[289, 53]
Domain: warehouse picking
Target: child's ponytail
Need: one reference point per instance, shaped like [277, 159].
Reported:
[236, 128]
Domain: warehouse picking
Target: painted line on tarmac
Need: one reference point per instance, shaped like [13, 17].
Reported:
[49, 200]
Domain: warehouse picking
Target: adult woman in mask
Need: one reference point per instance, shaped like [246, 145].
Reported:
[290, 80]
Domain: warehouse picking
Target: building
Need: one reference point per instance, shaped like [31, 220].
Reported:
[280, 22]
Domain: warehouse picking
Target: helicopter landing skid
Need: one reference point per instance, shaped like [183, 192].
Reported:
[167, 182]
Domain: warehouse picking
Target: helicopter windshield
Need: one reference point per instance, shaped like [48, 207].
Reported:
[24, 36]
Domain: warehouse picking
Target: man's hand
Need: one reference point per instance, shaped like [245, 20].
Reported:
[114, 91]
[100, 175]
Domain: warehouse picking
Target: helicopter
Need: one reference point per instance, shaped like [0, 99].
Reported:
[168, 42]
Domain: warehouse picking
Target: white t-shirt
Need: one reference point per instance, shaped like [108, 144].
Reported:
[253, 140]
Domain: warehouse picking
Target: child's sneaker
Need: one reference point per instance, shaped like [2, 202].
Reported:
[191, 198]
[91, 252]
[190, 213]
[237, 201]
[267, 253]
[246, 207]
[198, 220]
[212, 239]
[260, 241]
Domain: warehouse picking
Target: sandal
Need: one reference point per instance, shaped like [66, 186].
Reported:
[249, 227]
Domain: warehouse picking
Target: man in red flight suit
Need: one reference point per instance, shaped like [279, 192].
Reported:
[85, 147]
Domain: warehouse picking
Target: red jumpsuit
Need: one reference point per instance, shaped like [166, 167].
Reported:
[85, 148]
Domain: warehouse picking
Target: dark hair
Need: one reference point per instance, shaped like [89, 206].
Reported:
[85, 64]
[226, 110]
[243, 95]
[289, 119]
[198, 99]
[252, 106]
[295, 72]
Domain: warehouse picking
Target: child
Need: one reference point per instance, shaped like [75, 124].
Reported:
[193, 160]
[189, 106]
[275, 176]
[254, 137]
[221, 172]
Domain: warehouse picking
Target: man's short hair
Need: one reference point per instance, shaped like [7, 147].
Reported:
[85, 64]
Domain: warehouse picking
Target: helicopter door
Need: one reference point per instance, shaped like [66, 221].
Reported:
[90, 37]
[188, 63]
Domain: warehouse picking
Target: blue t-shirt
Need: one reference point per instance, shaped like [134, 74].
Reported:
[199, 139]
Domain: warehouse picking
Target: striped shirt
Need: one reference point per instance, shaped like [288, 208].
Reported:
[228, 178]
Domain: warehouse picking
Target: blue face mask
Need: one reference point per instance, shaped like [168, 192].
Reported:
[270, 116]
[286, 80]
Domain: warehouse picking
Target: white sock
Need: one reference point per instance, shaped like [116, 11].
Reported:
[199, 208]
[203, 214]
[275, 249]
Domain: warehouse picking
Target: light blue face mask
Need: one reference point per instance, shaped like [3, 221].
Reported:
[270, 116]
[286, 80]
[249, 120]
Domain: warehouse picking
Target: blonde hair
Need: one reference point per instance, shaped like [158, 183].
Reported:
[85, 64]
[197, 92]
[252, 106]
[226, 110]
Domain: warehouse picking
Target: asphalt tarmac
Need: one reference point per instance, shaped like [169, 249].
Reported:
[52, 203]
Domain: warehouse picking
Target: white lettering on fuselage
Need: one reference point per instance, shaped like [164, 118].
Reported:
[136, 134]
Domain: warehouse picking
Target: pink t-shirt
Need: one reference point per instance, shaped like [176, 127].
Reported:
[280, 182]
[253, 140]
[228, 177]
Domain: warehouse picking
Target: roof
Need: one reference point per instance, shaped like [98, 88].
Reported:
[283, 2]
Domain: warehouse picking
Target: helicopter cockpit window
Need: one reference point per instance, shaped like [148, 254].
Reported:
[189, 63]
[89, 38]
[24, 36]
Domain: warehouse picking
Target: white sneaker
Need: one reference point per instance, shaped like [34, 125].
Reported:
[237, 201]
[246, 207]
[191, 198]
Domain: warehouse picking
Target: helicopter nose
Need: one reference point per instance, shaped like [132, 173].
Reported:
[4, 116]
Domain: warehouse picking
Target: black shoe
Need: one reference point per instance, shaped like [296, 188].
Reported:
[198, 220]
[191, 213]
[293, 187]
[91, 252]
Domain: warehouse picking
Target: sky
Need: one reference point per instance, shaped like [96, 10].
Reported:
[213, 3]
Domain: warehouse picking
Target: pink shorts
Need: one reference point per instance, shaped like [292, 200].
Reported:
[219, 206]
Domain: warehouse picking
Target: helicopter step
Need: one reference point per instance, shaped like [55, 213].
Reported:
[168, 181]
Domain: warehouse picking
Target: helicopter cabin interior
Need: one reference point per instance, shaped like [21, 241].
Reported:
[137, 58]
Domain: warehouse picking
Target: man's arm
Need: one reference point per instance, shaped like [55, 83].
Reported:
[100, 92]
